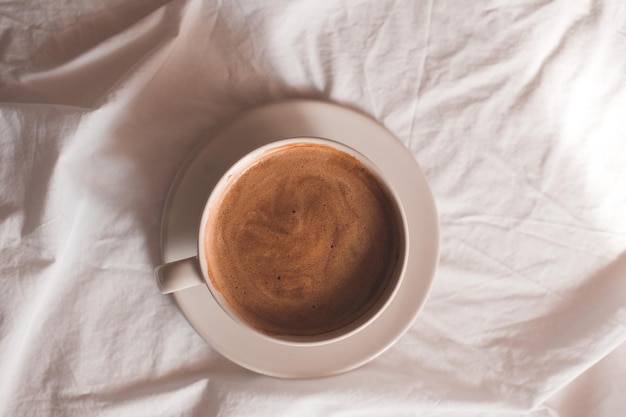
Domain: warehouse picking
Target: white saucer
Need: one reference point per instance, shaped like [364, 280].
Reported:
[258, 127]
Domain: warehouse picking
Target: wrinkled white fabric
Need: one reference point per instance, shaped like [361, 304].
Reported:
[514, 110]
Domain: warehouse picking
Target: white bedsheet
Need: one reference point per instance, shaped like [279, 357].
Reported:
[514, 109]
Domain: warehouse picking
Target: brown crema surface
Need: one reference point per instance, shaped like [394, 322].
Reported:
[303, 241]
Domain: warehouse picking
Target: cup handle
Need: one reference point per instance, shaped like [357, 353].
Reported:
[178, 275]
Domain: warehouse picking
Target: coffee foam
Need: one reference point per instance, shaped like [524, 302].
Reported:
[302, 241]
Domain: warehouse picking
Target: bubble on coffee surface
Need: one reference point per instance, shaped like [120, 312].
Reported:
[302, 241]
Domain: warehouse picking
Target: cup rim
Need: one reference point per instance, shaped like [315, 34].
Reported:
[303, 340]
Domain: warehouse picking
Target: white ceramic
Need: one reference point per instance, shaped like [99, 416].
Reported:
[185, 273]
[259, 127]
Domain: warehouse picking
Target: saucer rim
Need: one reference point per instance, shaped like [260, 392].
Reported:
[308, 357]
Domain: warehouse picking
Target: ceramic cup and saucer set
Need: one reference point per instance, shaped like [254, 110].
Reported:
[299, 240]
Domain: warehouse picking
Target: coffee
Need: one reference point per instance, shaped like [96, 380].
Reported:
[303, 241]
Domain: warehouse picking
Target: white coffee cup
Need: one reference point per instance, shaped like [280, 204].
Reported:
[193, 271]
